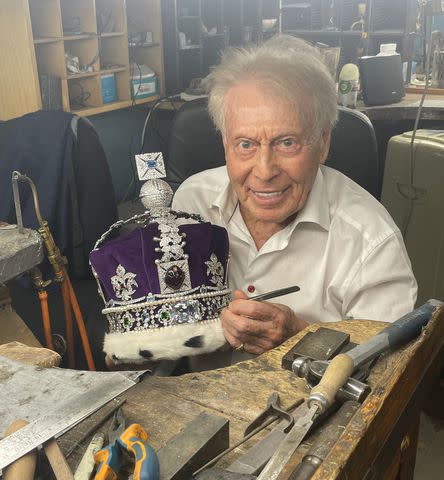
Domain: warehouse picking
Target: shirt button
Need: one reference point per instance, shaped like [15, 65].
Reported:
[251, 288]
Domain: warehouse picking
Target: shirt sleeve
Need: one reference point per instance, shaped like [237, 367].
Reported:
[383, 286]
[186, 200]
[179, 200]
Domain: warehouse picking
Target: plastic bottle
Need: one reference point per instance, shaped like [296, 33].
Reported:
[348, 85]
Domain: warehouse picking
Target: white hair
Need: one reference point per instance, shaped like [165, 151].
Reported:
[288, 68]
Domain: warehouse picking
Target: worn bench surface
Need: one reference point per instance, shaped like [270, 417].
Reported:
[399, 384]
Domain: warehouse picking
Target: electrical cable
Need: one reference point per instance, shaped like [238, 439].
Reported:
[134, 95]
[79, 100]
[410, 192]
[169, 98]
[133, 180]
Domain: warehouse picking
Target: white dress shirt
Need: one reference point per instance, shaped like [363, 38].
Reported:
[343, 249]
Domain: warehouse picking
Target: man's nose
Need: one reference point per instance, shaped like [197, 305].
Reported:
[266, 167]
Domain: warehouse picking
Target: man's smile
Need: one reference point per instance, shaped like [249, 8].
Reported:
[268, 195]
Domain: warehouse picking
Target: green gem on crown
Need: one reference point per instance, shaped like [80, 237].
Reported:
[165, 316]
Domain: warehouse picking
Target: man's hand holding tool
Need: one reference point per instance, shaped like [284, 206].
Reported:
[256, 325]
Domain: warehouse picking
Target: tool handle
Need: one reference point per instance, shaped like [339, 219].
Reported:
[57, 461]
[24, 467]
[336, 374]
[409, 326]
[135, 440]
[398, 333]
[306, 469]
[108, 461]
[86, 465]
[275, 293]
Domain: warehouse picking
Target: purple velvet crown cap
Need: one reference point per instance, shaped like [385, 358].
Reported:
[136, 253]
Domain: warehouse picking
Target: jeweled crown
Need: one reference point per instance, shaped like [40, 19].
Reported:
[168, 273]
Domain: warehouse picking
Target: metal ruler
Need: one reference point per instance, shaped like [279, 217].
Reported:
[68, 414]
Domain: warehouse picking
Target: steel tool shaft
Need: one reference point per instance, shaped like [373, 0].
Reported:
[331, 432]
[336, 375]
[288, 446]
[342, 366]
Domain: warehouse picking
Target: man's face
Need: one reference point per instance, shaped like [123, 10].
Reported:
[270, 162]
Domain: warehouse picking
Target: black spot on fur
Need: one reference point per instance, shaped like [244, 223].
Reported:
[195, 342]
[145, 353]
[115, 358]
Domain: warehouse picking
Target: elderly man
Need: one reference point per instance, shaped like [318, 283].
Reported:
[291, 220]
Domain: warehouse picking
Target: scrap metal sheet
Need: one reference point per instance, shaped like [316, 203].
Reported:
[52, 400]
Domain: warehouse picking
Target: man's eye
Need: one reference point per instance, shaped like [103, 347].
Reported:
[245, 144]
[288, 145]
[288, 142]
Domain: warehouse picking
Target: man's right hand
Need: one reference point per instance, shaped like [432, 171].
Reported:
[258, 326]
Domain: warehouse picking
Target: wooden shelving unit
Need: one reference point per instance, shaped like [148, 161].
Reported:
[94, 31]
[19, 85]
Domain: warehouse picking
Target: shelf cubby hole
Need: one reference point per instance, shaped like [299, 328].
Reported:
[85, 93]
[111, 16]
[143, 16]
[113, 52]
[45, 19]
[151, 57]
[50, 59]
[78, 16]
[87, 50]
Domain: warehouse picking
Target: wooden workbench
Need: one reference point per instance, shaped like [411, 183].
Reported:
[379, 442]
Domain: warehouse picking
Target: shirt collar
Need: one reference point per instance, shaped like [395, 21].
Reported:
[226, 201]
[316, 209]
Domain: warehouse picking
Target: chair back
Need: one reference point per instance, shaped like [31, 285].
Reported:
[63, 155]
[196, 145]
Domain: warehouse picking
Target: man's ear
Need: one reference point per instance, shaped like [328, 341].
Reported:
[325, 148]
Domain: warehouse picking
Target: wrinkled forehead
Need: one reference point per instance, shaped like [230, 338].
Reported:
[251, 99]
[255, 105]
